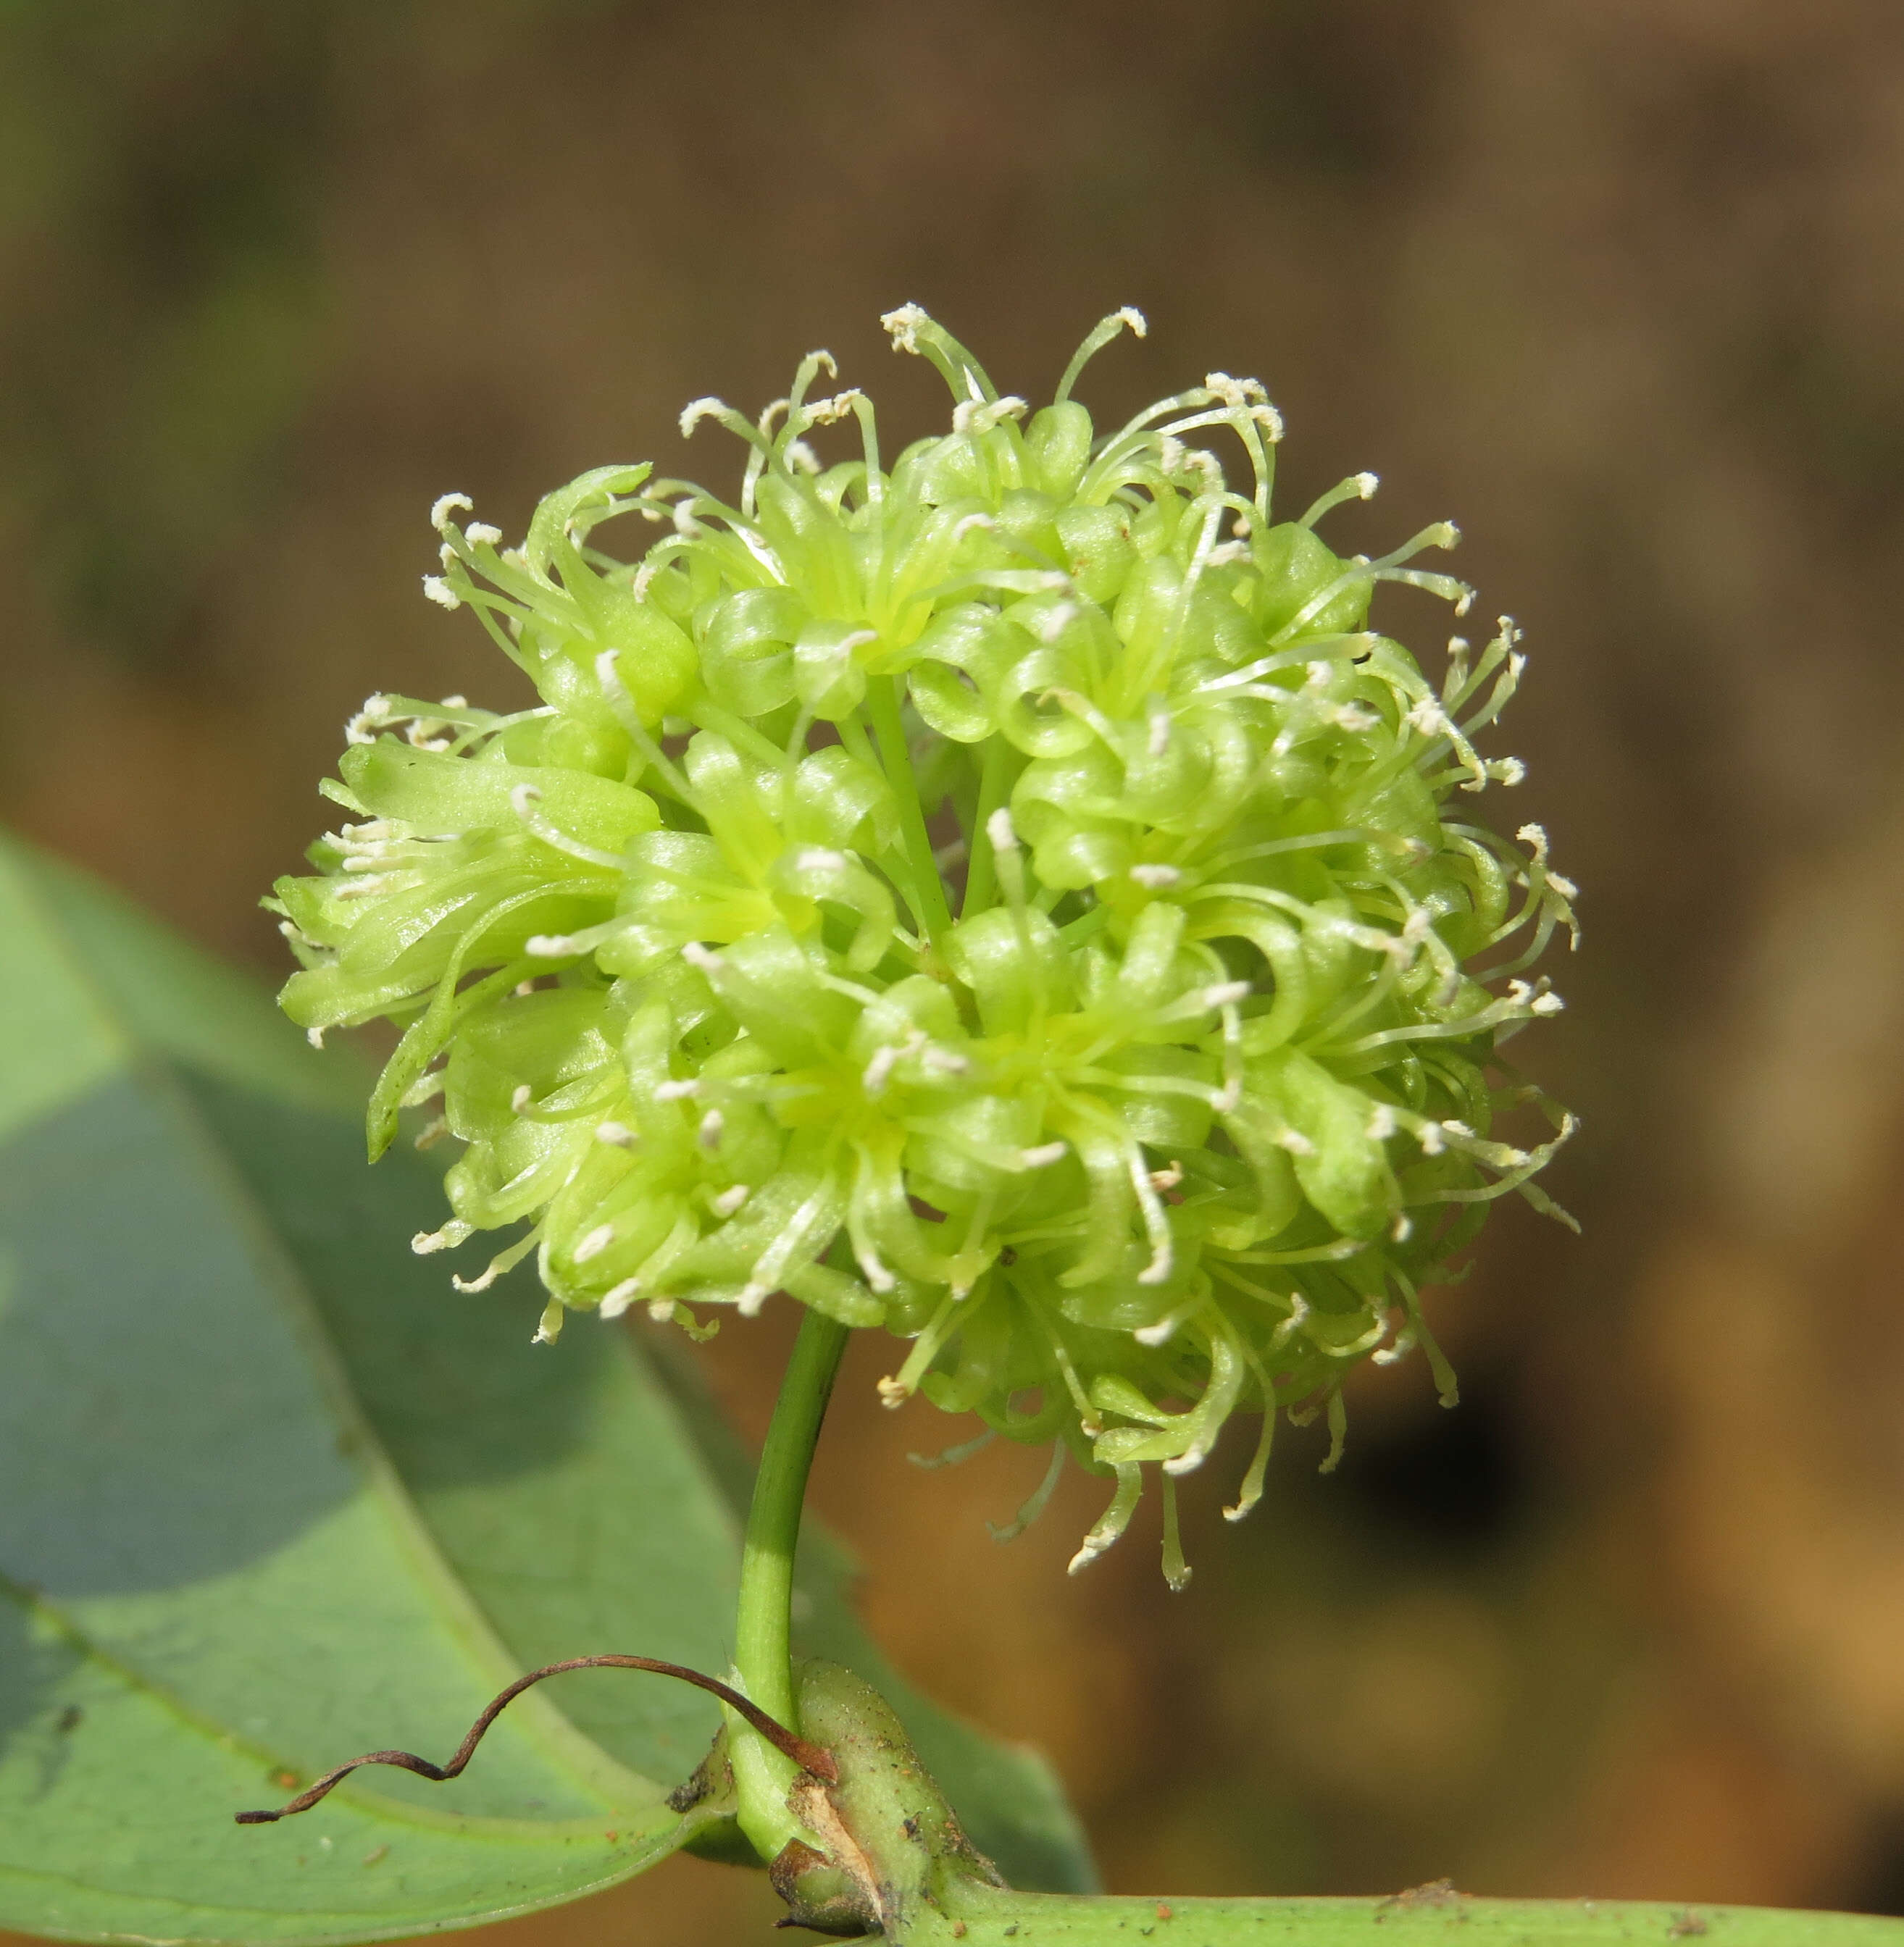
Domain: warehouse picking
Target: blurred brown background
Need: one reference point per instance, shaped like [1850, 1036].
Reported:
[1620, 286]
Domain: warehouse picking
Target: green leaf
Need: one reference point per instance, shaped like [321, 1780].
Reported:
[275, 1495]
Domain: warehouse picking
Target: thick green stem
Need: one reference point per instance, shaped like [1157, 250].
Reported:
[763, 1621]
[882, 710]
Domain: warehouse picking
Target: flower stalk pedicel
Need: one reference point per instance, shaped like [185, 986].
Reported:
[1008, 895]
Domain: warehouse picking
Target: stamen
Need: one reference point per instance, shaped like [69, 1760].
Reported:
[525, 801]
[1100, 335]
[595, 1243]
[1113, 1521]
[1035, 1502]
[453, 1233]
[1176, 1571]
[952, 1456]
[1357, 486]
[617, 1299]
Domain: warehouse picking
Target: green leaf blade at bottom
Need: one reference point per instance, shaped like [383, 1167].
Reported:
[274, 1495]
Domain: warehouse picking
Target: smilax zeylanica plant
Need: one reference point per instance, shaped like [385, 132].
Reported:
[1008, 895]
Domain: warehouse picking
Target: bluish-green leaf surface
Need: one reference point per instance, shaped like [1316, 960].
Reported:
[271, 1494]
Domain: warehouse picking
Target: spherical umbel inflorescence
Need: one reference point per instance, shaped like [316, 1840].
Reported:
[1008, 895]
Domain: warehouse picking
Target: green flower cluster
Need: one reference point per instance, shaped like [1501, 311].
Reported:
[1009, 896]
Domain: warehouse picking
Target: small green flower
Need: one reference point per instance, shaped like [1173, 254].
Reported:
[1011, 897]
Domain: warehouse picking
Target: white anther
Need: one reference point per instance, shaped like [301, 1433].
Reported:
[698, 410]
[999, 829]
[701, 959]
[730, 1200]
[1355, 718]
[470, 1286]
[1507, 770]
[753, 1297]
[441, 593]
[1565, 887]
[595, 1243]
[981, 416]
[453, 1233]
[1159, 1270]
[677, 1091]
[1060, 618]
[1236, 391]
[439, 514]
[1455, 1128]
[617, 1299]
[1545, 1005]
[1381, 1123]
[523, 800]
[661, 1310]
[878, 1070]
[1086, 1555]
[315, 1036]
[1159, 1334]
[984, 522]
[1430, 1137]
[1156, 878]
[829, 412]
[550, 947]
[1228, 554]
[1225, 993]
[877, 1275]
[480, 534]
[903, 326]
[1401, 1229]
[523, 1100]
[943, 1061]
[1045, 1153]
[819, 858]
[1135, 320]
[1296, 1143]
[894, 1393]
[1160, 731]
[1167, 1179]
[708, 1134]
[617, 1134]
[1429, 717]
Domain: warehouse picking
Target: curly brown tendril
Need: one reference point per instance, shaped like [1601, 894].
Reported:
[809, 1757]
